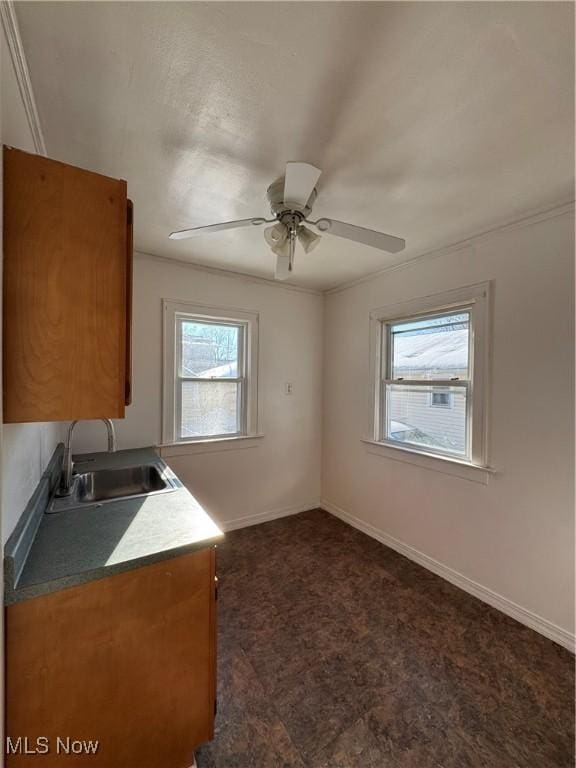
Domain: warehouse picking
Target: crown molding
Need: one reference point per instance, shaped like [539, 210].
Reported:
[18, 57]
[560, 209]
[219, 272]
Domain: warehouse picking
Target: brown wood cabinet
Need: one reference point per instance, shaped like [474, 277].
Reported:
[67, 291]
[128, 661]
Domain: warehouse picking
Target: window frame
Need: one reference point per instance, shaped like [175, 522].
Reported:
[387, 380]
[476, 300]
[174, 312]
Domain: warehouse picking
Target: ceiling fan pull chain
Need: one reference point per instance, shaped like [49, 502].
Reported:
[292, 248]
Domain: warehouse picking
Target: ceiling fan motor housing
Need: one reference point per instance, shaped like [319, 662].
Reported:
[278, 207]
[290, 219]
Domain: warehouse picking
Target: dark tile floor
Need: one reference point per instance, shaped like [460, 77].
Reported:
[336, 652]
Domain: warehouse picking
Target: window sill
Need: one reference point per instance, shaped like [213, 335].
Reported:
[215, 445]
[430, 461]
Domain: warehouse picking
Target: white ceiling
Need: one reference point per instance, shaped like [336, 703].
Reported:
[431, 121]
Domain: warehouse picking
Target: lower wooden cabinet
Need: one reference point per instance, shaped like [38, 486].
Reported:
[128, 661]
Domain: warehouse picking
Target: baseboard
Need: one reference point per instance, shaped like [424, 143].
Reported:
[523, 615]
[264, 517]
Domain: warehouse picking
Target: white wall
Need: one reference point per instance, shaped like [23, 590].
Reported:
[514, 536]
[280, 474]
[26, 448]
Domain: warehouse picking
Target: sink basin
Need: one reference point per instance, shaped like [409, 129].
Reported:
[106, 485]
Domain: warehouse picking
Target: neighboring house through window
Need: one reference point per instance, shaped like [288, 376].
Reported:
[210, 373]
[429, 360]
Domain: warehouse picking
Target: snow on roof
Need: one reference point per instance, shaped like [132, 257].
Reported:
[226, 371]
[431, 350]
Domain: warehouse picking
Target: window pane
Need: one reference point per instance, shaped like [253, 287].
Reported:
[413, 416]
[431, 348]
[209, 350]
[209, 408]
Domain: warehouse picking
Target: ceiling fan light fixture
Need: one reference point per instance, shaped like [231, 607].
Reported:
[308, 239]
[276, 236]
[282, 249]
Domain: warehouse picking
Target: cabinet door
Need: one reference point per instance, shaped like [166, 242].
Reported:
[129, 267]
[65, 291]
[128, 661]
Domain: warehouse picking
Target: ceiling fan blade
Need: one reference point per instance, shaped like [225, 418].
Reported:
[183, 234]
[282, 270]
[370, 237]
[299, 183]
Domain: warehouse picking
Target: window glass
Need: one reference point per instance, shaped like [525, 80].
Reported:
[431, 347]
[209, 408]
[209, 350]
[209, 396]
[409, 419]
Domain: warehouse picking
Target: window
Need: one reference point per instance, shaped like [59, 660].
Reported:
[423, 351]
[429, 359]
[210, 370]
[441, 399]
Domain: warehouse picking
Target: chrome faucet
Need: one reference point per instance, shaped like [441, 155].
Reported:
[67, 464]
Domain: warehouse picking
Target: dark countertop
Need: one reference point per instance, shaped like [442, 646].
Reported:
[49, 552]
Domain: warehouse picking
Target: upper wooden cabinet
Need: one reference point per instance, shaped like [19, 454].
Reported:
[67, 291]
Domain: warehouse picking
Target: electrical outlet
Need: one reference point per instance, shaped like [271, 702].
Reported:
[288, 388]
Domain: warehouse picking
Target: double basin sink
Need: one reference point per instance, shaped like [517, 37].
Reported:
[106, 485]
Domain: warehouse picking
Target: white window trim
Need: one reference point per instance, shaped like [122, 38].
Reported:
[210, 445]
[477, 298]
[171, 310]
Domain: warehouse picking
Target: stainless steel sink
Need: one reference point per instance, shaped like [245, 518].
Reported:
[105, 485]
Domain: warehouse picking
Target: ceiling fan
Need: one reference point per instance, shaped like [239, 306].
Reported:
[291, 200]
